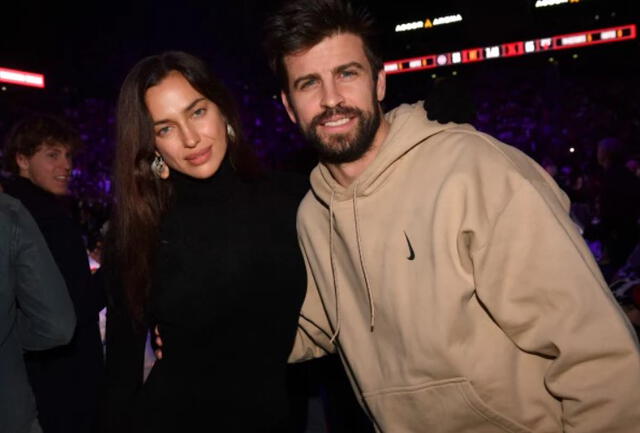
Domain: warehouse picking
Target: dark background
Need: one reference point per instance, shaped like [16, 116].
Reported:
[87, 48]
[541, 103]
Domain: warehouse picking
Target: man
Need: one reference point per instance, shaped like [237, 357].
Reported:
[35, 312]
[66, 381]
[443, 266]
[619, 204]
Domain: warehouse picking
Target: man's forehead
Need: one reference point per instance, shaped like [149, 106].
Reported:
[54, 145]
[331, 52]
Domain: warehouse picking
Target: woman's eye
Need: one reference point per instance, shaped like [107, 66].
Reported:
[163, 131]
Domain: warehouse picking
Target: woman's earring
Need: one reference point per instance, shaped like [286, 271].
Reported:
[230, 132]
[158, 166]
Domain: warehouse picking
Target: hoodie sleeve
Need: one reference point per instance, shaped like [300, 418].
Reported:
[313, 337]
[539, 282]
[45, 312]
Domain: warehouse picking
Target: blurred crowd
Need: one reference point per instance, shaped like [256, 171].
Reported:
[585, 134]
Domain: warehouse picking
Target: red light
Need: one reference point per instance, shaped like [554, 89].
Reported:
[472, 55]
[514, 49]
[21, 78]
[410, 65]
[593, 37]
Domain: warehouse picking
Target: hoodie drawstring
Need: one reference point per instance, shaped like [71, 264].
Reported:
[333, 268]
[372, 309]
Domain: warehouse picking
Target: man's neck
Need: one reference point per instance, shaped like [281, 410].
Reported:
[345, 174]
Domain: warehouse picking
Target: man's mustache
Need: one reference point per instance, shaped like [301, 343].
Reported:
[333, 111]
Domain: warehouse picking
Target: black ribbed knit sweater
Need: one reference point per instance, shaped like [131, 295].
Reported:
[227, 287]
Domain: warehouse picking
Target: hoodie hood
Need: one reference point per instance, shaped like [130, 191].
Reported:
[409, 127]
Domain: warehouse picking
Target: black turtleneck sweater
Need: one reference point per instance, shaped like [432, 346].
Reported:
[227, 287]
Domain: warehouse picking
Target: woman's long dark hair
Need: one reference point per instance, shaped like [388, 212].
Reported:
[140, 197]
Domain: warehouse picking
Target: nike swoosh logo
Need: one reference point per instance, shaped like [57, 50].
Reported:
[412, 255]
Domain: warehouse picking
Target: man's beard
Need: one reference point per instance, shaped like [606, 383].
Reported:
[343, 148]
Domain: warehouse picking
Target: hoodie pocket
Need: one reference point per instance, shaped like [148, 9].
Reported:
[443, 406]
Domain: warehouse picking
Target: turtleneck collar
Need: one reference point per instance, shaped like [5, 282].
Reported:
[216, 187]
[37, 200]
[26, 184]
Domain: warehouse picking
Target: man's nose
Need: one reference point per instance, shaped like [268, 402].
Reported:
[331, 95]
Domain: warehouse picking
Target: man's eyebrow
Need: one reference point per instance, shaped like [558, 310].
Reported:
[335, 70]
[304, 78]
[184, 110]
[342, 68]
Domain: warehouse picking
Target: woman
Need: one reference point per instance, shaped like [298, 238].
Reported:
[205, 248]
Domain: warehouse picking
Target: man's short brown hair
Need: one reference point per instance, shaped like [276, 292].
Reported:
[301, 24]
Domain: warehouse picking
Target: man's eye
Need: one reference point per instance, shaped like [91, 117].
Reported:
[199, 112]
[347, 74]
[307, 84]
[52, 154]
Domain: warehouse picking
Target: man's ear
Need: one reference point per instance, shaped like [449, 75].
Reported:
[23, 162]
[287, 106]
[381, 85]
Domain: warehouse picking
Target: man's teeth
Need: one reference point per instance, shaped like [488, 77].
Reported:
[337, 122]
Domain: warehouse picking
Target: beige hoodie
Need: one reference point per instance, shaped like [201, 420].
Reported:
[459, 294]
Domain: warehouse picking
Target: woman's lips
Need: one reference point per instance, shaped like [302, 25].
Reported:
[199, 157]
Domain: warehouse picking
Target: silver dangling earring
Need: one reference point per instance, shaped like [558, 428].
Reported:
[157, 166]
[230, 132]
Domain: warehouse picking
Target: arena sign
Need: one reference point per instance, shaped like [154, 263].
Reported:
[546, 3]
[513, 49]
[22, 78]
[429, 23]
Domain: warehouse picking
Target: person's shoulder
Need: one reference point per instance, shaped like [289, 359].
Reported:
[467, 145]
[13, 215]
[309, 207]
[36, 200]
[292, 184]
[8, 208]
[469, 139]
[16, 186]
[489, 164]
[7, 201]
[282, 185]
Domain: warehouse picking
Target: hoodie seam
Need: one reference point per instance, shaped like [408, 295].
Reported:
[530, 185]
[311, 337]
[497, 218]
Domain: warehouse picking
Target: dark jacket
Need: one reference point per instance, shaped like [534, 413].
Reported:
[619, 212]
[35, 310]
[66, 380]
